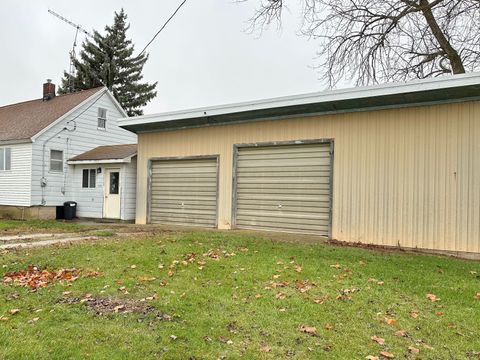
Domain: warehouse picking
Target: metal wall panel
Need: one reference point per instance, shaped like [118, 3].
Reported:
[184, 191]
[283, 188]
[406, 177]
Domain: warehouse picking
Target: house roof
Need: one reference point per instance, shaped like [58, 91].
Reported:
[23, 120]
[462, 87]
[106, 153]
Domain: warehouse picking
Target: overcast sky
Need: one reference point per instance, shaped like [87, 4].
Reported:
[204, 57]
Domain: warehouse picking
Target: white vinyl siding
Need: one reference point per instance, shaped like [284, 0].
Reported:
[74, 142]
[129, 190]
[15, 184]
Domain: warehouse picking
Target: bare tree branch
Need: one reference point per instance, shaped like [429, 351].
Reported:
[371, 41]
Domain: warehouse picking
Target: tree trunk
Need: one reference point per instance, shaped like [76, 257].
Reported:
[455, 59]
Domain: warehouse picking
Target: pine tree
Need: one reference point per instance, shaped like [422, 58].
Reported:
[108, 60]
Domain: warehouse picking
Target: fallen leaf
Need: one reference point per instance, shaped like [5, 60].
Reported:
[66, 293]
[146, 278]
[391, 321]
[170, 273]
[477, 296]
[173, 337]
[387, 354]
[14, 311]
[329, 327]
[280, 296]
[336, 266]
[439, 313]
[371, 357]
[258, 296]
[4, 318]
[432, 297]
[298, 268]
[414, 314]
[312, 330]
[133, 266]
[378, 340]
[413, 350]
[380, 283]
[400, 333]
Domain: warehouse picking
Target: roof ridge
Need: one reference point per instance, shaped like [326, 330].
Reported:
[56, 96]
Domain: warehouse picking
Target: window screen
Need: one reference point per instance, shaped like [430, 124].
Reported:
[5, 159]
[56, 160]
[89, 178]
[102, 118]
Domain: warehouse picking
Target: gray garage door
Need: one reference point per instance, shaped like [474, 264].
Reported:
[184, 192]
[284, 188]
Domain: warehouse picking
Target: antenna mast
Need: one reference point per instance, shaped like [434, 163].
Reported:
[72, 52]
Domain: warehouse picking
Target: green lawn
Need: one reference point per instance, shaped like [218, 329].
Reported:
[28, 226]
[250, 303]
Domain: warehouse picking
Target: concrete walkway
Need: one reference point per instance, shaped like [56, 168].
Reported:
[36, 240]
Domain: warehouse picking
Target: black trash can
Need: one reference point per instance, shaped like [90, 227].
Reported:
[70, 210]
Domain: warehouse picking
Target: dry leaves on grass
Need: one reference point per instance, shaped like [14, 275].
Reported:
[311, 330]
[34, 278]
[477, 296]
[387, 354]
[378, 340]
[400, 333]
[413, 350]
[265, 348]
[432, 297]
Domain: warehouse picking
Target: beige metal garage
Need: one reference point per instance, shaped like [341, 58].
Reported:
[406, 168]
[283, 187]
[184, 191]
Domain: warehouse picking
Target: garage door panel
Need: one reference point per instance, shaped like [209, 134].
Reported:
[184, 192]
[284, 162]
[286, 188]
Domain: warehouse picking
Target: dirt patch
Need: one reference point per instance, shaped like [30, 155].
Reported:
[105, 306]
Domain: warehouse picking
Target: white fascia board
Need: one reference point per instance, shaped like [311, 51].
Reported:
[311, 98]
[92, 97]
[91, 162]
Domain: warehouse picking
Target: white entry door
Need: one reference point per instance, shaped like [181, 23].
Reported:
[112, 194]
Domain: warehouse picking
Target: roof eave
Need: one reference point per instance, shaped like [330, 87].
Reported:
[434, 91]
[125, 160]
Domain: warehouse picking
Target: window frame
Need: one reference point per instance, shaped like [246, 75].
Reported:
[89, 171]
[57, 161]
[6, 160]
[100, 118]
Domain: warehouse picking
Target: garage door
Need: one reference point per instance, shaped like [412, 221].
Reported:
[184, 192]
[284, 188]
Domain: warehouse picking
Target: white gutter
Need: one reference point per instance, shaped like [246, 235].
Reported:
[104, 161]
[311, 98]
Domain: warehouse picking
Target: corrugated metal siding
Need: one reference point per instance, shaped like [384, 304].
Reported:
[184, 192]
[283, 188]
[407, 176]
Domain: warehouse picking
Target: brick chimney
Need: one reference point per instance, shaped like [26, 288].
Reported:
[48, 90]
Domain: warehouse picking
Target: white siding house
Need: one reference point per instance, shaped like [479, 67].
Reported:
[42, 135]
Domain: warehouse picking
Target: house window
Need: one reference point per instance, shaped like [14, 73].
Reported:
[89, 178]
[5, 159]
[56, 160]
[102, 118]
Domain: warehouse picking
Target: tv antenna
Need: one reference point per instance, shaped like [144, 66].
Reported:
[72, 52]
